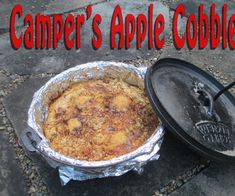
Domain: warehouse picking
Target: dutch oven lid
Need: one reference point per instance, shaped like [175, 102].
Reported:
[183, 96]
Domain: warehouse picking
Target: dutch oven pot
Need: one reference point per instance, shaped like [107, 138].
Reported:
[69, 168]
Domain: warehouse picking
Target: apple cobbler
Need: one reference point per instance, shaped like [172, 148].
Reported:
[99, 119]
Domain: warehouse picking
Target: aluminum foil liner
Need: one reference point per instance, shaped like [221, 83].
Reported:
[80, 170]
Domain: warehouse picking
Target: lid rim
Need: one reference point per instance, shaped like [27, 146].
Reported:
[172, 125]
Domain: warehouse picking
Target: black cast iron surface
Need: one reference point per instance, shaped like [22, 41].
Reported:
[173, 88]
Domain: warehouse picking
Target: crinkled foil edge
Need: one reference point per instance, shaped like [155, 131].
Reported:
[70, 168]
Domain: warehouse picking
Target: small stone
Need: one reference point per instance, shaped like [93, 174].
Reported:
[31, 175]
[32, 189]
[162, 190]
[179, 183]
[9, 128]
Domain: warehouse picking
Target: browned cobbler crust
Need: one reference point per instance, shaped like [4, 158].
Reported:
[99, 119]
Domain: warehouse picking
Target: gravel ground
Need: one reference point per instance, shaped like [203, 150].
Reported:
[34, 182]
[181, 180]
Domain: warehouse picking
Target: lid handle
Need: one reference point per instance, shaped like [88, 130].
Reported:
[209, 100]
[223, 90]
